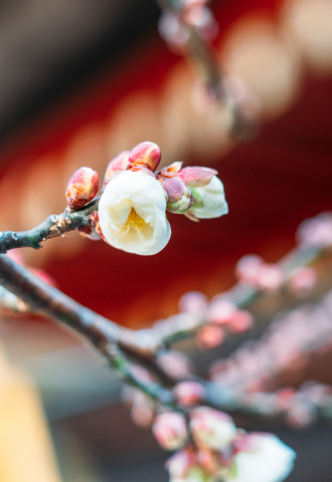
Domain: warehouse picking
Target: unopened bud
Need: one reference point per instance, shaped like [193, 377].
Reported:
[197, 176]
[210, 337]
[82, 187]
[179, 197]
[189, 393]
[211, 428]
[146, 154]
[170, 430]
[118, 163]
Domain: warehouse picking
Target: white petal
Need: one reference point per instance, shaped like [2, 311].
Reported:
[272, 461]
[213, 199]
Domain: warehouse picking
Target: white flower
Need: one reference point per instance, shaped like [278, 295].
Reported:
[269, 460]
[132, 213]
[209, 200]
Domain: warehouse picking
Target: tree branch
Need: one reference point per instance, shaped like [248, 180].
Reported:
[55, 225]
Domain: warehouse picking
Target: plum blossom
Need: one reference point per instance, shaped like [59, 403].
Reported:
[266, 460]
[132, 213]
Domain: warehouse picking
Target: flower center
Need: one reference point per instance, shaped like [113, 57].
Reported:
[134, 221]
[136, 228]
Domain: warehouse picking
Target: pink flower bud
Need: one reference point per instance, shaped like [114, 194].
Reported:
[180, 463]
[173, 31]
[210, 336]
[146, 154]
[269, 277]
[240, 321]
[82, 187]
[197, 176]
[179, 197]
[248, 267]
[211, 428]
[175, 364]
[118, 163]
[302, 281]
[202, 19]
[221, 311]
[189, 393]
[316, 231]
[170, 430]
[193, 302]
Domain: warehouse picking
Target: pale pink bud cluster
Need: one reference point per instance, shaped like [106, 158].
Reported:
[170, 430]
[82, 187]
[253, 270]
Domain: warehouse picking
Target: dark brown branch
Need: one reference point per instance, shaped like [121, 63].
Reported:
[55, 225]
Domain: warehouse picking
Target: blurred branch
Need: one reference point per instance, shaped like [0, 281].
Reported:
[219, 86]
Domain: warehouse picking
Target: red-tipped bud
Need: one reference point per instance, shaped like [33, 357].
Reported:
[189, 393]
[210, 337]
[179, 197]
[82, 187]
[118, 163]
[146, 154]
[197, 176]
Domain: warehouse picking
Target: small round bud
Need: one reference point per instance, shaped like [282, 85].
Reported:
[221, 311]
[170, 430]
[197, 176]
[193, 302]
[210, 337]
[247, 268]
[146, 154]
[240, 321]
[117, 164]
[82, 187]
[179, 197]
[189, 393]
